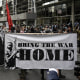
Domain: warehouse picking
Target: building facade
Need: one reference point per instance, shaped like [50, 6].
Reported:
[47, 11]
[57, 11]
[54, 11]
[21, 11]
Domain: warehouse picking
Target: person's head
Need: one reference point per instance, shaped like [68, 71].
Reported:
[59, 31]
[22, 28]
[10, 46]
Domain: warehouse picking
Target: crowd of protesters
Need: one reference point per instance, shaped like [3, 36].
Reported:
[54, 28]
[38, 29]
[42, 29]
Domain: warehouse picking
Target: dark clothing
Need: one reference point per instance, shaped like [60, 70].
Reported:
[78, 43]
[12, 29]
[42, 74]
[52, 75]
[1, 52]
[11, 62]
[32, 30]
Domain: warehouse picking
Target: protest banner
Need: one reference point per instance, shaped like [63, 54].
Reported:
[41, 51]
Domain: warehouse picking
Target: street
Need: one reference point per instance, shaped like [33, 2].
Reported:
[33, 74]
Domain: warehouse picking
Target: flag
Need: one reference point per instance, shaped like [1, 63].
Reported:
[8, 17]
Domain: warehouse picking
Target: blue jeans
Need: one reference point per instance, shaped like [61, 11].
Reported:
[52, 75]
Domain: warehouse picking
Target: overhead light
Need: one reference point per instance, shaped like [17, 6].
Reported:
[51, 2]
[46, 4]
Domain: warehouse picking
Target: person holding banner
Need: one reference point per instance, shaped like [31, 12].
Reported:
[10, 56]
[77, 30]
[9, 62]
